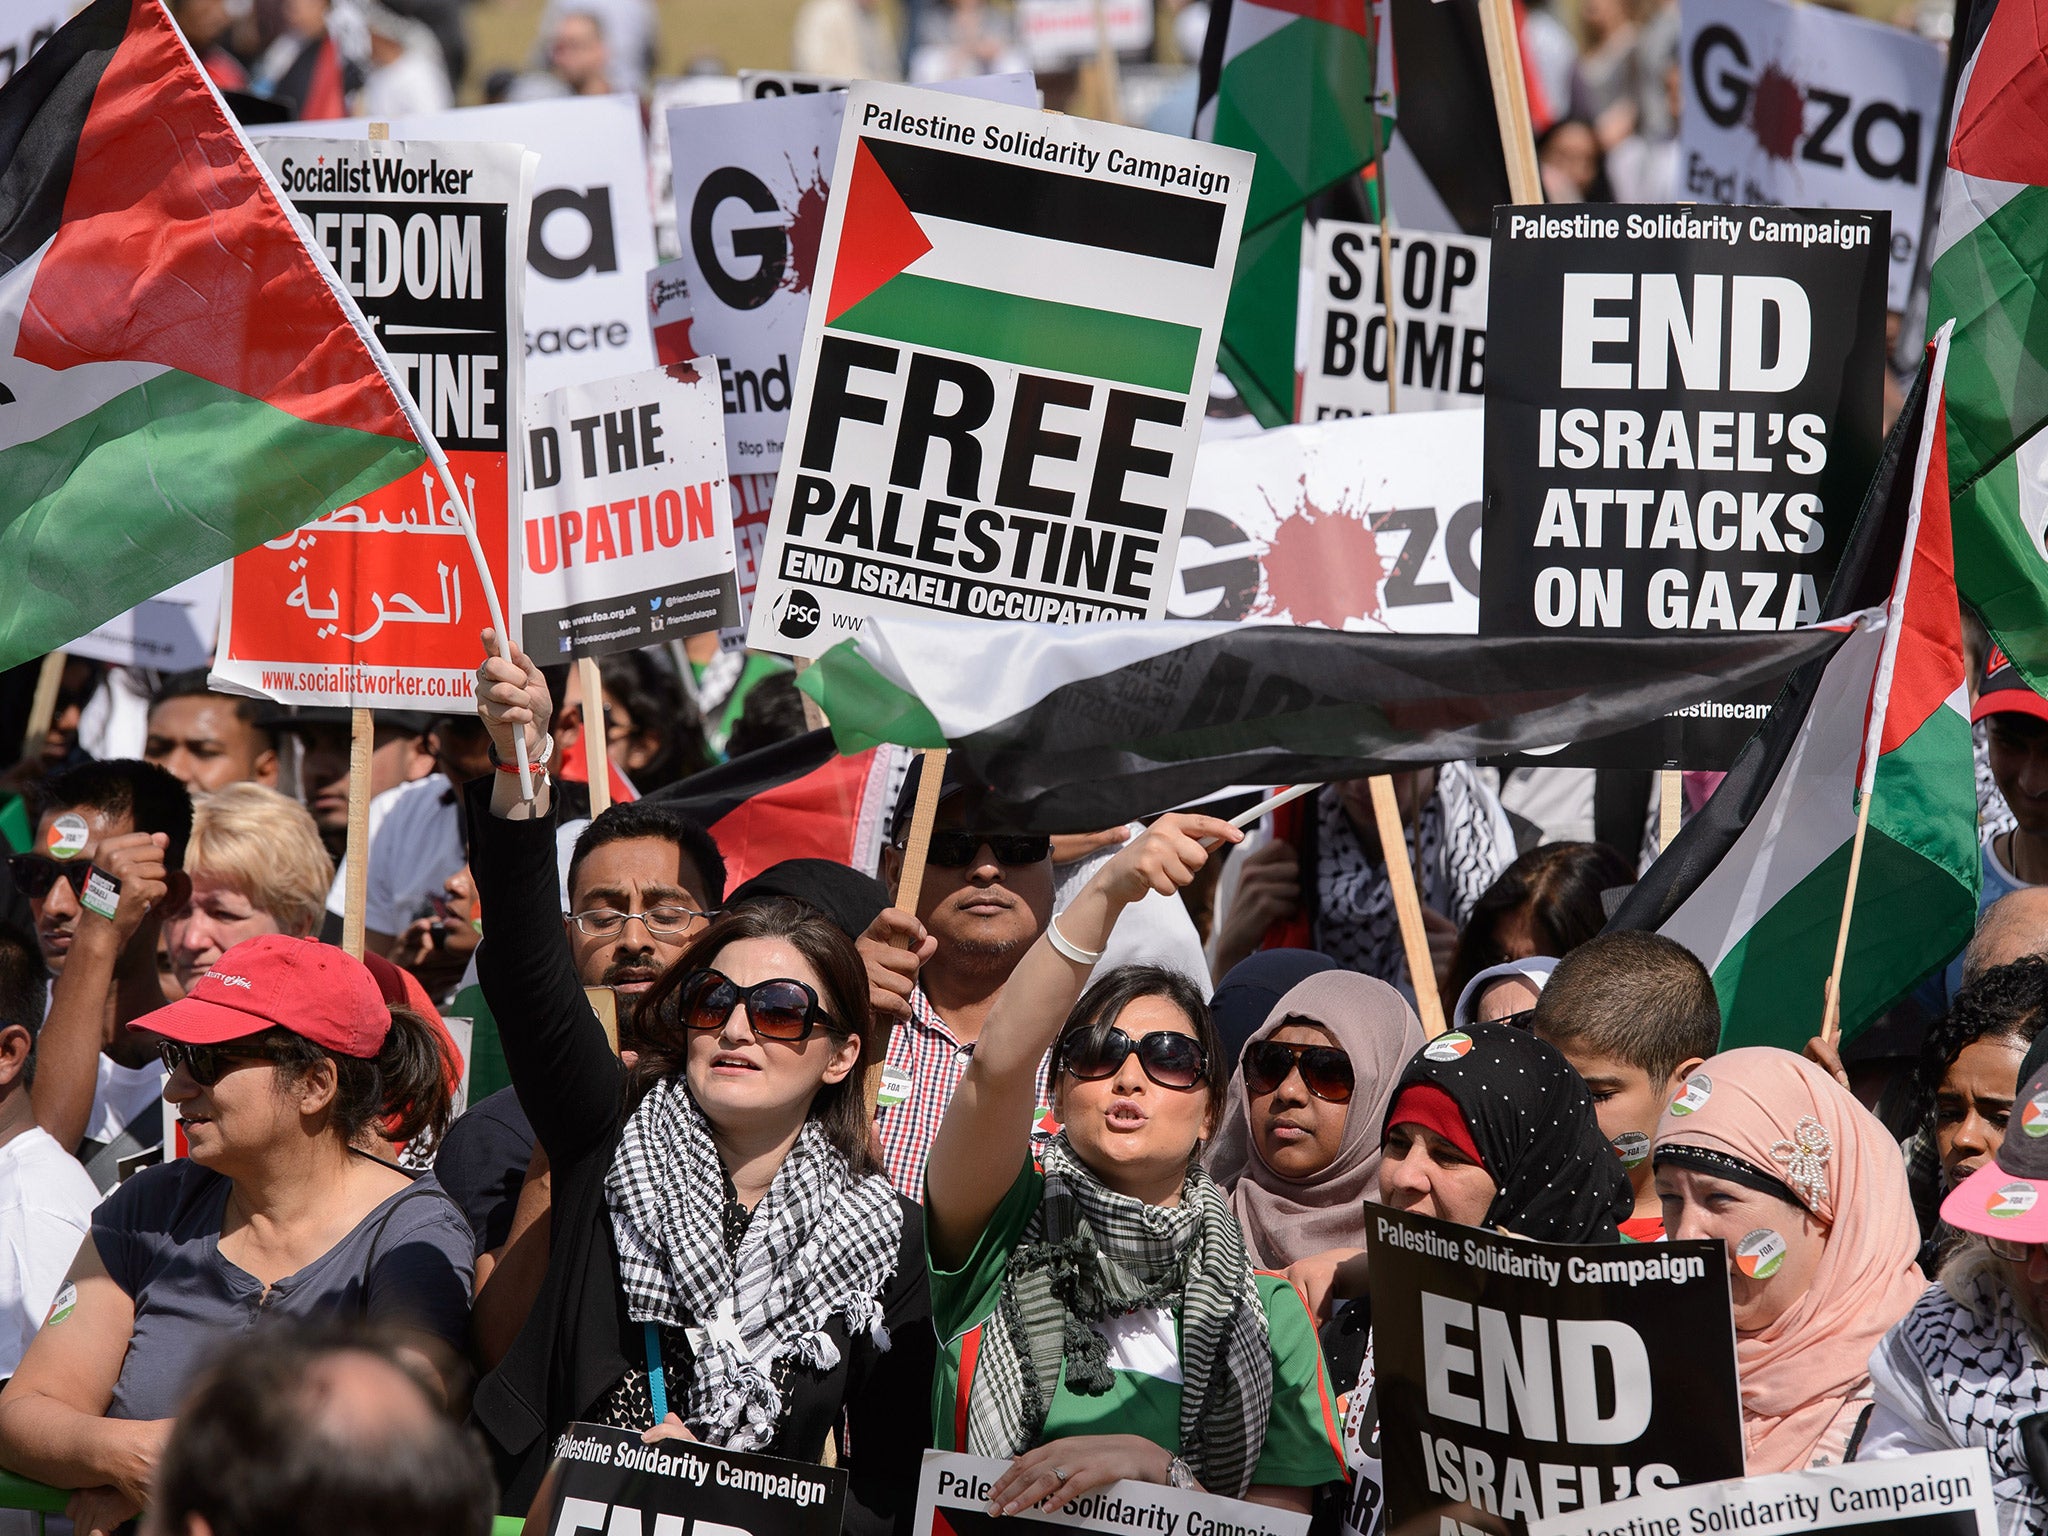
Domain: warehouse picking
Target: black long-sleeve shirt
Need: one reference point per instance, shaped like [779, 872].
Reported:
[578, 1340]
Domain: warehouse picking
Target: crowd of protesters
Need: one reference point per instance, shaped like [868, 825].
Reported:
[1104, 1218]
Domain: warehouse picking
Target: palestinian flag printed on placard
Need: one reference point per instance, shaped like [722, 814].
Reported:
[1990, 276]
[1754, 884]
[908, 207]
[797, 799]
[1069, 728]
[1292, 81]
[179, 379]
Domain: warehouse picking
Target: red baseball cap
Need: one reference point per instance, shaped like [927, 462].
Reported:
[2005, 691]
[312, 989]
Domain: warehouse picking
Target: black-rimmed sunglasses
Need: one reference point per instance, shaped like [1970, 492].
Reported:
[1169, 1058]
[780, 1008]
[1325, 1071]
[956, 850]
[36, 875]
[208, 1064]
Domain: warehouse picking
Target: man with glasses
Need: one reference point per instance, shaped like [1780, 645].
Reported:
[641, 881]
[97, 1082]
[987, 896]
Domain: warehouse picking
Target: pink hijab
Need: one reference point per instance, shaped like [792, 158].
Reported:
[1804, 1376]
[1287, 1219]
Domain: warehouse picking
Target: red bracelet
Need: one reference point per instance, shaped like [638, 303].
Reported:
[547, 752]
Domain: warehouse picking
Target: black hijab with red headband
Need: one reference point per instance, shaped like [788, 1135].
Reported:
[1517, 1106]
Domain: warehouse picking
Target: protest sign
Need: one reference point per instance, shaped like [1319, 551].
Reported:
[628, 522]
[605, 1479]
[1037, 297]
[172, 631]
[1682, 413]
[688, 91]
[1055, 34]
[668, 312]
[1439, 322]
[1799, 104]
[1366, 524]
[952, 1500]
[751, 183]
[760, 84]
[1946, 1493]
[28, 25]
[591, 235]
[1530, 1378]
[753, 499]
[378, 603]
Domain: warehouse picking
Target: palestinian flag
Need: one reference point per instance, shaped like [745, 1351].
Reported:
[1754, 884]
[1067, 728]
[180, 377]
[1990, 276]
[797, 799]
[915, 264]
[1292, 81]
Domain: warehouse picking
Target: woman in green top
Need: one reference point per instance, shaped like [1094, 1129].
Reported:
[1099, 1313]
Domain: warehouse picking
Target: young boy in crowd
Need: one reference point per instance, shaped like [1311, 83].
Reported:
[1633, 1013]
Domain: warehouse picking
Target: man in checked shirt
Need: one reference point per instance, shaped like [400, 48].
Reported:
[987, 896]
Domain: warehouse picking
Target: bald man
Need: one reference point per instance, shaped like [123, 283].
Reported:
[2012, 926]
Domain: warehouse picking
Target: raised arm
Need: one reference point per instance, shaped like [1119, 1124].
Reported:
[563, 1069]
[986, 1133]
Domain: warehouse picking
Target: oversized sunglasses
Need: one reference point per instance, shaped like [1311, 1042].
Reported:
[208, 1064]
[36, 875]
[956, 850]
[1325, 1070]
[777, 1009]
[2012, 1252]
[1169, 1058]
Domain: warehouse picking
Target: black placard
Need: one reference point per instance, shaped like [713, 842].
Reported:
[1683, 409]
[606, 1479]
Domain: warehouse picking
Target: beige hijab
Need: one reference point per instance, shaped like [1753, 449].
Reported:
[1804, 1374]
[1288, 1219]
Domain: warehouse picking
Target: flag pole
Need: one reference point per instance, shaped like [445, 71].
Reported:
[362, 743]
[1831, 1018]
[1407, 904]
[1379, 161]
[597, 761]
[909, 885]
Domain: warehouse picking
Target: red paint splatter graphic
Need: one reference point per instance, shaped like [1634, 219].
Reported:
[1323, 566]
[1777, 112]
[806, 228]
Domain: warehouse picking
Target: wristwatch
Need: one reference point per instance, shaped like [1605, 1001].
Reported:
[1179, 1474]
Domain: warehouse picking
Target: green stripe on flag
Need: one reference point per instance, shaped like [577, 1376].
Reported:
[865, 708]
[1994, 283]
[1029, 333]
[1298, 100]
[223, 472]
[1916, 903]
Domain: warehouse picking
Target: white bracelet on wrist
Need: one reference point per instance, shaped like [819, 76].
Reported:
[1068, 947]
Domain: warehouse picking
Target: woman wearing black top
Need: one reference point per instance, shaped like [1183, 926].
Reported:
[727, 1262]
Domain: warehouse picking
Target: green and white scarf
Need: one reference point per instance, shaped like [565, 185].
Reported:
[1090, 1254]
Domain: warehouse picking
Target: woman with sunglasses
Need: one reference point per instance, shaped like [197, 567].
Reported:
[1965, 1366]
[1100, 1315]
[279, 1061]
[1299, 1151]
[1767, 1152]
[726, 1262]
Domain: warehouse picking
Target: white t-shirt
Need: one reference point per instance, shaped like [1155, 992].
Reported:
[414, 851]
[46, 1205]
[121, 1096]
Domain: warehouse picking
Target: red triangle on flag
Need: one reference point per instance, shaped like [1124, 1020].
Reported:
[878, 237]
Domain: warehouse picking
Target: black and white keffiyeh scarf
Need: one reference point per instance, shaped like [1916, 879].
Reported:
[1970, 1374]
[1090, 1254]
[823, 1242]
[1459, 851]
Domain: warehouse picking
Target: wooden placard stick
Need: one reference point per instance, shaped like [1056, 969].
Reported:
[362, 742]
[1510, 99]
[1407, 904]
[42, 708]
[597, 759]
[1670, 785]
[931, 781]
